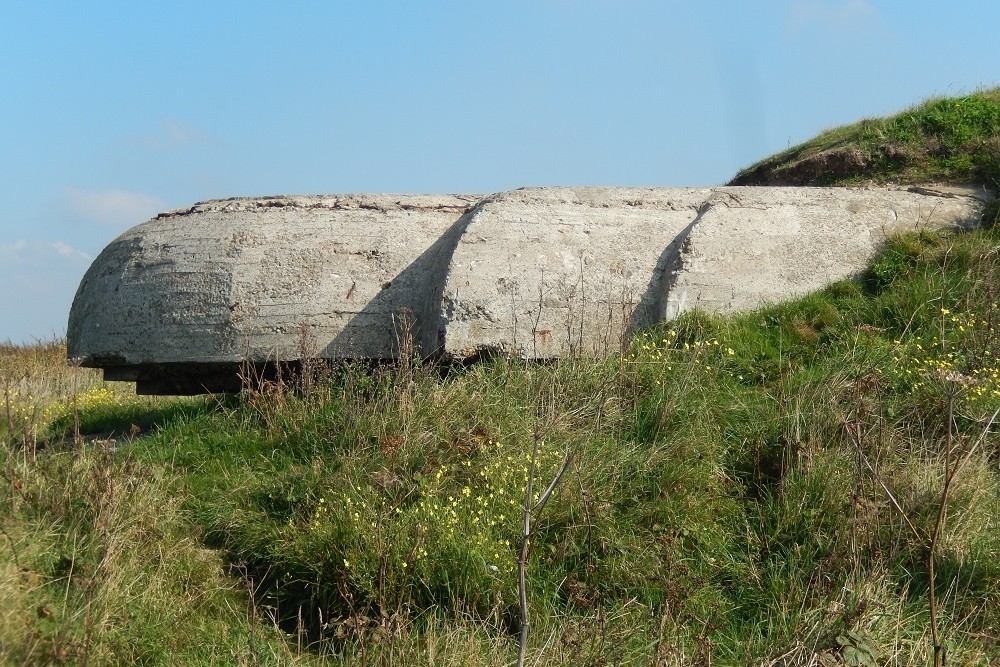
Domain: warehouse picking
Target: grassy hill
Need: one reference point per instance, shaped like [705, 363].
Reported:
[945, 140]
[783, 487]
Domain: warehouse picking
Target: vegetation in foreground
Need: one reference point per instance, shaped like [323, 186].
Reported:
[815, 483]
[763, 489]
[946, 140]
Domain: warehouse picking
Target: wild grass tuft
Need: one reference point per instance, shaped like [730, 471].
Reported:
[99, 562]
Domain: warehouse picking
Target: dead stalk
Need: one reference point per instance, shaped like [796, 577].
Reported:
[951, 471]
[533, 509]
[856, 441]
[526, 532]
[939, 653]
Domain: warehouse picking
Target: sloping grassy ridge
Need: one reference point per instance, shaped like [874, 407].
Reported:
[947, 140]
[720, 502]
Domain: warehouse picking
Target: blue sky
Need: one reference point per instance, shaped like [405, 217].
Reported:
[112, 111]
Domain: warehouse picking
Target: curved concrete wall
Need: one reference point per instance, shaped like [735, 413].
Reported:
[538, 273]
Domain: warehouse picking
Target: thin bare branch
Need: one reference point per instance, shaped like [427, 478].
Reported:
[885, 488]
[982, 437]
[540, 505]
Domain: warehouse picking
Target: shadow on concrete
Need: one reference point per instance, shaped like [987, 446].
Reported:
[652, 304]
[406, 315]
[649, 310]
[652, 307]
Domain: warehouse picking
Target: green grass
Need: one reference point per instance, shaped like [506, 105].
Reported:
[717, 507]
[948, 140]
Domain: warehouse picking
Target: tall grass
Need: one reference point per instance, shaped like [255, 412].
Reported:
[749, 490]
[99, 562]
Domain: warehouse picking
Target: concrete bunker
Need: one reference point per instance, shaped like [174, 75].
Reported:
[181, 303]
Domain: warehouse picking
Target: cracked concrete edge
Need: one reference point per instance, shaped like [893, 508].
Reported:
[536, 272]
[345, 202]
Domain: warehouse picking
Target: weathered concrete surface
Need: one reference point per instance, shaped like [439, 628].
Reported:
[264, 279]
[549, 272]
[538, 273]
[758, 245]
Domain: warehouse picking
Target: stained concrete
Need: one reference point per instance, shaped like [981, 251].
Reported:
[263, 279]
[535, 273]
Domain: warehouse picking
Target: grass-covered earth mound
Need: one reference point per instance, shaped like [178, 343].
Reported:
[789, 486]
[946, 140]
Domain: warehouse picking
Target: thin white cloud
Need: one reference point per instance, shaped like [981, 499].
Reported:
[113, 207]
[37, 288]
[66, 250]
[12, 251]
[804, 15]
[174, 134]
[182, 133]
[36, 250]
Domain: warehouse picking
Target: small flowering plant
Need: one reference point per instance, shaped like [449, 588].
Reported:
[25, 413]
[961, 349]
[669, 351]
[454, 535]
